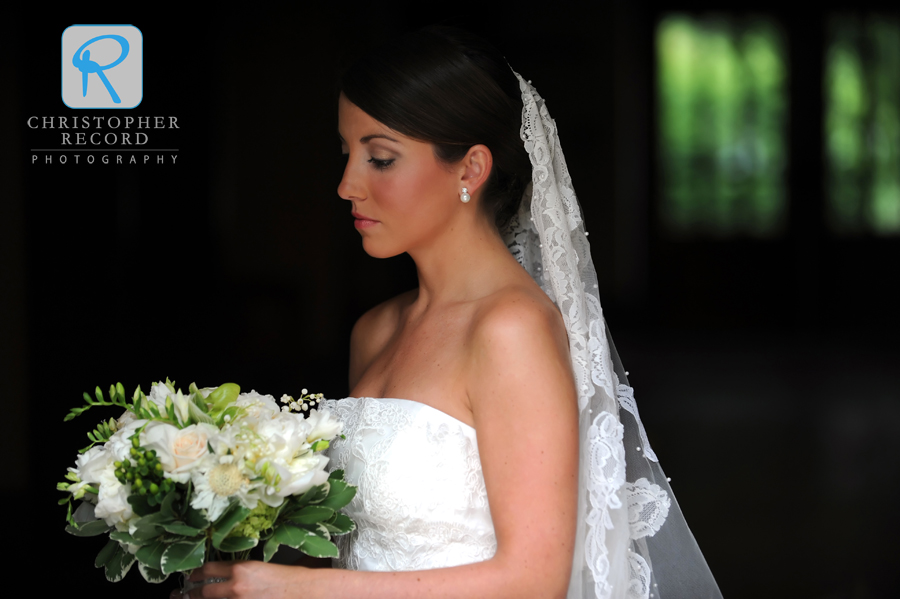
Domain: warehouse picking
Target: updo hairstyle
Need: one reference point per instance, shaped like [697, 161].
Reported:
[450, 88]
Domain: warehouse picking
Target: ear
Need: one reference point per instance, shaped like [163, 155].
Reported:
[476, 168]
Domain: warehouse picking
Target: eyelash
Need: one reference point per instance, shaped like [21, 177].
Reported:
[381, 164]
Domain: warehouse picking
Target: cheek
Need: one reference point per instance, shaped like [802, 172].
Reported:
[412, 196]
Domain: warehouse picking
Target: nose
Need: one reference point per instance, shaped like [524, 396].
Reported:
[350, 187]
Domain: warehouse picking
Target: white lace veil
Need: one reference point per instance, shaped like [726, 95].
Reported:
[632, 538]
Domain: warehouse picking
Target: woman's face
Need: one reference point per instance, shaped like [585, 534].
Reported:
[394, 181]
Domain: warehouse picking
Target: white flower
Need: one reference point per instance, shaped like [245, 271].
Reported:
[158, 394]
[119, 445]
[178, 450]
[112, 504]
[255, 403]
[323, 425]
[297, 477]
[216, 483]
[90, 465]
[126, 418]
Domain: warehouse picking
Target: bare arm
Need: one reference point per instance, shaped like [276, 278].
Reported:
[524, 406]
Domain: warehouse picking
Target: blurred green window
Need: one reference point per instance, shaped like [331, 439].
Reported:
[862, 124]
[722, 103]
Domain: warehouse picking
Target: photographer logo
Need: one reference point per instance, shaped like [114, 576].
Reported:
[102, 66]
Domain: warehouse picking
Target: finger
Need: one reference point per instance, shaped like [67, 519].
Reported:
[211, 570]
[216, 590]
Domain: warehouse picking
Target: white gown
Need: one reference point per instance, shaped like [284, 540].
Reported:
[421, 502]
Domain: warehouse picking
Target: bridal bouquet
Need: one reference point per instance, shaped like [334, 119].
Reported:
[180, 479]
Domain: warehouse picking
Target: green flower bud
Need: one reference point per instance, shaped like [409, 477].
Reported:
[142, 490]
[135, 442]
[154, 488]
[138, 482]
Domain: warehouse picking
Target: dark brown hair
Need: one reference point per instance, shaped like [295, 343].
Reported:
[450, 88]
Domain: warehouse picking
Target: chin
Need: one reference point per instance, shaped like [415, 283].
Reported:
[378, 251]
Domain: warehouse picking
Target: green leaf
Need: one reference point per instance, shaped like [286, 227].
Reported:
[290, 535]
[151, 575]
[140, 505]
[185, 555]
[270, 548]
[336, 475]
[105, 554]
[151, 555]
[235, 544]
[318, 547]
[311, 514]
[314, 494]
[179, 528]
[124, 537]
[150, 527]
[119, 565]
[196, 519]
[231, 518]
[340, 495]
[322, 531]
[89, 529]
[168, 503]
[340, 524]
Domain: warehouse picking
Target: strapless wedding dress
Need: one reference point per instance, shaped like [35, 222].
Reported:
[421, 501]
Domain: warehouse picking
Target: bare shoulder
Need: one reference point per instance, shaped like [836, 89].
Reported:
[519, 314]
[518, 341]
[373, 330]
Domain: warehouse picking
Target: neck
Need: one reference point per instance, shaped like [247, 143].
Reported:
[466, 261]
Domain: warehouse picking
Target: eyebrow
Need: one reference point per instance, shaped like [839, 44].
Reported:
[366, 139]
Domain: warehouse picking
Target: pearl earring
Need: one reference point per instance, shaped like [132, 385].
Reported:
[464, 195]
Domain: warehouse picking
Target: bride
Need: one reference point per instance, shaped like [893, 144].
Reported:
[490, 429]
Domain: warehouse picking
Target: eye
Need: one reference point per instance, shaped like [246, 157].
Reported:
[381, 164]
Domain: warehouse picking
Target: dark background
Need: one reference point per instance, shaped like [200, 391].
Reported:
[766, 370]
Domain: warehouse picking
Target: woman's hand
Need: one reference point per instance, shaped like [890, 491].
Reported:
[248, 579]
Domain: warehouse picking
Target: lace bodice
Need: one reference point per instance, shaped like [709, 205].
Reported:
[421, 501]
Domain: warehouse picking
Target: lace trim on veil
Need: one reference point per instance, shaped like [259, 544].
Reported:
[616, 517]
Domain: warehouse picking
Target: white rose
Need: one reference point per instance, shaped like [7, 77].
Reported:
[179, 451]
[324, 426]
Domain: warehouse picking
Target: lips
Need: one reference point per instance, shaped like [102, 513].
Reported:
[362, 222]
